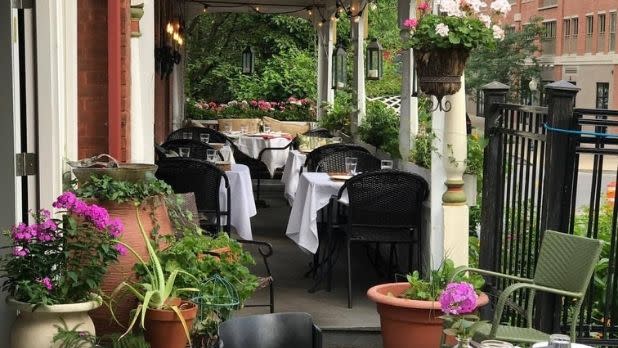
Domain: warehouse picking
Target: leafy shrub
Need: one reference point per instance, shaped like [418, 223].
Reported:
[337, 117]
[380, 128]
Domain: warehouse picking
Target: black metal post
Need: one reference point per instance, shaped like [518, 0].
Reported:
[558, 184]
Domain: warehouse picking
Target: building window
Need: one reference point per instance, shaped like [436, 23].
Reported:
[547, 3]
[601, 36]
[612, 31]
[602, 95]
[549, 38]
[589, 31]
[574, 32]
[566, 43]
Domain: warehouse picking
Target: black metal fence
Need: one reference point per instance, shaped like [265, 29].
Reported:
[533, 182]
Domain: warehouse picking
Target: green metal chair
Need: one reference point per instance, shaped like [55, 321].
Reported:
[564, 267]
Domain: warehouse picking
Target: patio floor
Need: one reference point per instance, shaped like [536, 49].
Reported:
[343, 327]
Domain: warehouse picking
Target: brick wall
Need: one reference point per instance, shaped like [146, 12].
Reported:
[92, 78]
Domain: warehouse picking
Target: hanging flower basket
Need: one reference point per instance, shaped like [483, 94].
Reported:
[439, 70]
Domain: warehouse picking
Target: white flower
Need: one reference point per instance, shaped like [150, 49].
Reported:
[451, 8]
[485, 19]
[498, 32]
[501, 6]
[475, 5]
[442, 29]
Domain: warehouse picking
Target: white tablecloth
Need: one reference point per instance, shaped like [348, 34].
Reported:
[313, 193]
[252, 145]
[291, 173]
[242, 202]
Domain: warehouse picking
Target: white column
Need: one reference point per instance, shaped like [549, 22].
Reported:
[358, 74]
[454, 160]
[327, 33]
[408, 120]
[142, 88]
[438, 176]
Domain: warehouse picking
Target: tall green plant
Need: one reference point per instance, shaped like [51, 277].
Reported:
[380, 128]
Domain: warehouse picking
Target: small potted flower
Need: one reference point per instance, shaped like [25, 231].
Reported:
[410, 311]
[56, 267]
[458, 303]
[442, 41]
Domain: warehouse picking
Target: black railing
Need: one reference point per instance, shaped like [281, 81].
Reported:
[538, 179]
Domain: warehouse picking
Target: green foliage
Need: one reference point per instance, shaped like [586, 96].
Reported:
[129, 341]
[380, 128]
[429, 290]
[515, 60]
[337, 118]
[423, 147]
[104, 188]
[390, 84]
[67, 337]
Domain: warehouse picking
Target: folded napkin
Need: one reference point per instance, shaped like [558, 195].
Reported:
[273, 136]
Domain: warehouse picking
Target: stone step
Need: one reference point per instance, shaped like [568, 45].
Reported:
[342, 338]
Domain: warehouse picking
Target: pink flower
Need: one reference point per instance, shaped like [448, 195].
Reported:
[458, 298]
[423, 6]
[66, 200]
[115, 228]
[410, 23]
[20, 251]
[121, 249]
[46, 282]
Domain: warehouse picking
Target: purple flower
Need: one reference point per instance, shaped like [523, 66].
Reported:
[458, 298]
[23, 232]
[20, 251]
[98, 216]
[115, 228]
[46, 282]
[66, 200]
[121, 249]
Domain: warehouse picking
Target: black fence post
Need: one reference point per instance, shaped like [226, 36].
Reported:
[493, 178]
[557, 184]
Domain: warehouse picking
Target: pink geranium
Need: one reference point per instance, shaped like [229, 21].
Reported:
[458, 298]
[423, 6]
[410, 23]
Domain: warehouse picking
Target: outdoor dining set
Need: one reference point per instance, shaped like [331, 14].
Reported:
[340, 194]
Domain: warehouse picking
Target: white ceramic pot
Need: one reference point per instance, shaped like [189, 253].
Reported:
[35, 326]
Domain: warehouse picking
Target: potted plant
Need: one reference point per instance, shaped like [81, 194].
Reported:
[51, 274]
[120, 194]
[458, 301]
[410, 311]
[165, 317]
[442, 41]
[381, 128]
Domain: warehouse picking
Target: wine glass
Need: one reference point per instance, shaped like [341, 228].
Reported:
[184, 151]
[205, 138]
[350, 165]
[386, 164]
[211, 155]
[559, 341]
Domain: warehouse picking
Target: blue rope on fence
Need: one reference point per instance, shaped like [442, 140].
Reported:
[570, 131]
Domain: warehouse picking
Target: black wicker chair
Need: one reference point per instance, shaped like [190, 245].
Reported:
[317, 154]
[335, 162]
[197, 148]
[384, 207]
[279, 330]
[204, 179]
[318, 132]
[215, 137]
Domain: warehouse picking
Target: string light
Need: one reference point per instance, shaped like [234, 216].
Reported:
[205, 8]
[180, 41]
[257, 9]
[373, 6]
[175, 36]
[309, 11]
[169, 28]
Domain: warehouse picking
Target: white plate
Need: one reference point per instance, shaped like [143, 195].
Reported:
[339, 177]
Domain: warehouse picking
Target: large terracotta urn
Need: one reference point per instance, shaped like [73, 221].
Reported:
[36, 326]
[408, 323]
[155, 220]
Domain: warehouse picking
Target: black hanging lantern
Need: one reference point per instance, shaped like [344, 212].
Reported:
[375, 58]
[339, 67]
[248, 61]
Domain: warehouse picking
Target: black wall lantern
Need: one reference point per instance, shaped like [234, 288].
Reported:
[339, 67]
[375, 58]
[248, 61]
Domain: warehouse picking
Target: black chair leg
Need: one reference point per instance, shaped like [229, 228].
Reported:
[272, 297]
[260, 203]
[349, 274]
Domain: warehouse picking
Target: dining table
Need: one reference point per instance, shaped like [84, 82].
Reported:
[291, 173]
[253, 144]
[242, 204]
[314, 192]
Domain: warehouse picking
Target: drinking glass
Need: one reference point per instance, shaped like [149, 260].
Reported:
[350, 165]
[226, 152]
[187, 135]
[205, 138]
[211, 155]
[559, 341]
[386, 164]
[243, 130]
[227, 129]
[266, 129]
[184, 151]
[495, 344]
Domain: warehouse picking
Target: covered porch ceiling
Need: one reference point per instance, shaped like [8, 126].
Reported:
[300, 8]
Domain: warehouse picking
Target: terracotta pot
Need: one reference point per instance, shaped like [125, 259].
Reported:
[123, 269]
[164, 328]
[439, 70]
[36, 327]
[408, 323]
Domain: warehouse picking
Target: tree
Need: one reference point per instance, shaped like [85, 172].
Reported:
[513, 61]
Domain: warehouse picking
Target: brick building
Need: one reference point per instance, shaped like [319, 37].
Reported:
[579, 45]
